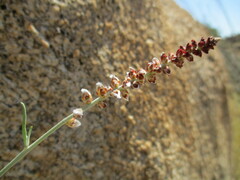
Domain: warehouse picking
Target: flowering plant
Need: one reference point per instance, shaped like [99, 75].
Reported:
[134, 78]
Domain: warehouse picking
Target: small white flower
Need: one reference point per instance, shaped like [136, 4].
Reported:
[85, 91]
[128, 84]
[78, 113]
[116, 94]
[99, 84]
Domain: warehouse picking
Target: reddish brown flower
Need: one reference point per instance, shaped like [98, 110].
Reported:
[163, 58]
[188, 56]
[166, 70]
[135, 84]
[178, 62]
[132, 73]
[188, 48]
[101, 90]
[126, 82]
[86, 96]
[141, 74]
[115, 82]
[136, 78]
[116, 93]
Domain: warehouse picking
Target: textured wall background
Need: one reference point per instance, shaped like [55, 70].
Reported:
[177, 129]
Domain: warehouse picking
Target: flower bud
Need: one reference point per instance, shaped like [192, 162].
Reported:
[141, 74]
[163, 58]
[156, 61]
[115, 82]
[78, 113]
[73, 123]
[101, 90]
[201, 43]
[197, 52]
[86, 96]
[126, 82]
[188, 48]
[132, 73]
[150, 67]
[188, 56]
[135, 84]
[194, 44]
[180, 52]
[166, 70]
[178, 62]
[116, 93]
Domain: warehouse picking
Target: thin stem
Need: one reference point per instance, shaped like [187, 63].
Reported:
[28, 149]
[29, 135]
[24, 124]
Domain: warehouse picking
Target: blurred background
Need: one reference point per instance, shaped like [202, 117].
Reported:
[50, 49]
[221, 17]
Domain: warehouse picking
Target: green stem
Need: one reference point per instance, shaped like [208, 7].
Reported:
[24, 124]
[29, 135]
[28, 149]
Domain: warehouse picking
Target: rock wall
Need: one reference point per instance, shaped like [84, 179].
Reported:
[50, 49]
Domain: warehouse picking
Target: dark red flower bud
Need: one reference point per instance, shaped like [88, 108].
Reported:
[178, 62]
[166, 70]
[141, 74]
[189, 47]
[201, 43]
[188, 56]
[194, 44]
[150, 67]
[180, 53]
[135, 84]
[158, 69]
[211, 42]
[132, 73]
[164, 58]
[197, 52]
[205, 49]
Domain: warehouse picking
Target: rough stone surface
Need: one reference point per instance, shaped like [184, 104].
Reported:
[230, 48]
[50, 49]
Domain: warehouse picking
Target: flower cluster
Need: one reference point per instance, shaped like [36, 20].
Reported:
[74, 121]
[193, 48]
[136, 78]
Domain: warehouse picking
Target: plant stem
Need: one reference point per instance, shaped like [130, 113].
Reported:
[28, 149]
[24, 124]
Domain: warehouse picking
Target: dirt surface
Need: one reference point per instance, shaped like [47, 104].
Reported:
[49, 50]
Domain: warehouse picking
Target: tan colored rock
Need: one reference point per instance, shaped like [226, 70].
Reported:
[176, 129]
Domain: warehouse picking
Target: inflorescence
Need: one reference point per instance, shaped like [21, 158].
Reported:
[136, 78]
